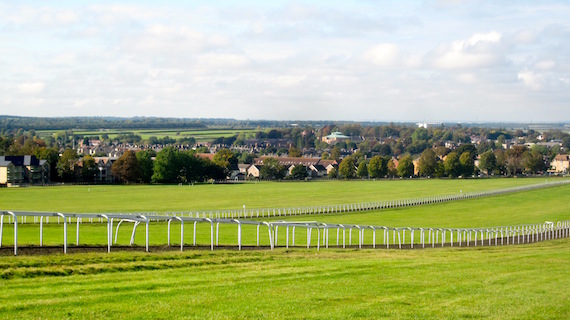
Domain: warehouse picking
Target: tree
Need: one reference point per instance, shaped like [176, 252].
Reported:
[362, 171]
[335, 153]
[89, 169]
[515, 159]
[127, 168]
[488, 162]
[226, 159]
[534, 162]
[333, 174]
[406, 166]
[144, 158]
[427, 164]
[52, 157]
[467, 147]
[299, 172]
[294, 152]
[347, 168]
[67, 165]
[392, 170]
[378, 167]
[467, 164]
[272, 170]
[452, 165]
[166, 166]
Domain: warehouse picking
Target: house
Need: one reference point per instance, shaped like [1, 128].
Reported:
[561, 164]
[104, 165]
[334, 138]
[254, 170]
[317, 170]
[15, 170]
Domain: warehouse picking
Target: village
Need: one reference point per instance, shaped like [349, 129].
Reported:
[316, 154]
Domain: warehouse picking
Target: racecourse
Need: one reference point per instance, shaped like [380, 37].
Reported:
[511, 282]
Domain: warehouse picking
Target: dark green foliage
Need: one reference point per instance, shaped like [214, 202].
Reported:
[272, 170]
[299, 172]
[406, 167]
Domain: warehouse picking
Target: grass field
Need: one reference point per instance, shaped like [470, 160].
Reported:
[173, 198]
[516, 282]
[506, 282]
[526, 207]
[201, 135]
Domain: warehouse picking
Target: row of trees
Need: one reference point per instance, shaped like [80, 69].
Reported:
[172, 166]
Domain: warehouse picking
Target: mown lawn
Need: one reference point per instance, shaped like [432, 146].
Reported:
[529, 207]
[514, 282]
[174, 198]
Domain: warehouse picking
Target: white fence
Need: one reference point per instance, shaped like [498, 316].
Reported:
[413, 237]
[365, 206]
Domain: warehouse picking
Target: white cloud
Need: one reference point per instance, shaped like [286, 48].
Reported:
[531, 79]
[480, 50]
[383, 55]
[31, 87]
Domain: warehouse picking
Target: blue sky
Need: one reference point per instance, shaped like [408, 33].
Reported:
[468, 61]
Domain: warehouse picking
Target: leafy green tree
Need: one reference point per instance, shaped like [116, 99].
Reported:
[299, 172]
[406, 166]
[420, 134]
[335, 153]
[488, 162]
[452, 165]
[67, 165]
[467, 147]
[166, 166]
[89, 169]
[534, 162]
[127, 168]
[144, 158]
[439, 169]
[226, 159]
[392, 170]
[427, 164]
[362, 171]
[347, 168]
[378, 167]
[272, 170]
[52, 157]
[294, 152]
[467, 164]
[246, 157]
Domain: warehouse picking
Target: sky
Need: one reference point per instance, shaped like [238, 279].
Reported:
[361, 60]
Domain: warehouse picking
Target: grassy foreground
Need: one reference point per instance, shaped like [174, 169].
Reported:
[515, 282]
[165, 198]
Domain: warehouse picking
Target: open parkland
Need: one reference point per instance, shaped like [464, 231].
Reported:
[522, 280]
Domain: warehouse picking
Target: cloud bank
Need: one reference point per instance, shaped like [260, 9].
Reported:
[363, 60]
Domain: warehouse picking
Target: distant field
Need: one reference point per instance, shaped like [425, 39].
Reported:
[201, 135]
[174, 198]
[514, 282]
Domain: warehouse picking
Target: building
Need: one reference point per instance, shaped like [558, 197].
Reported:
[561, 164]
[16, 170]
[335, 137]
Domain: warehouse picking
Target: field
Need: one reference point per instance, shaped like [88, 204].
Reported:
[201, 135]
[523, 281]
[173, 198]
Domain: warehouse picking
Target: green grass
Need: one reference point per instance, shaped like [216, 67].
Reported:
[515, 282]
[526, 207]
[505, 282]
[200, 135]
[173, 198]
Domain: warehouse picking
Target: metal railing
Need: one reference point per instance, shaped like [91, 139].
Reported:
[411, 236]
